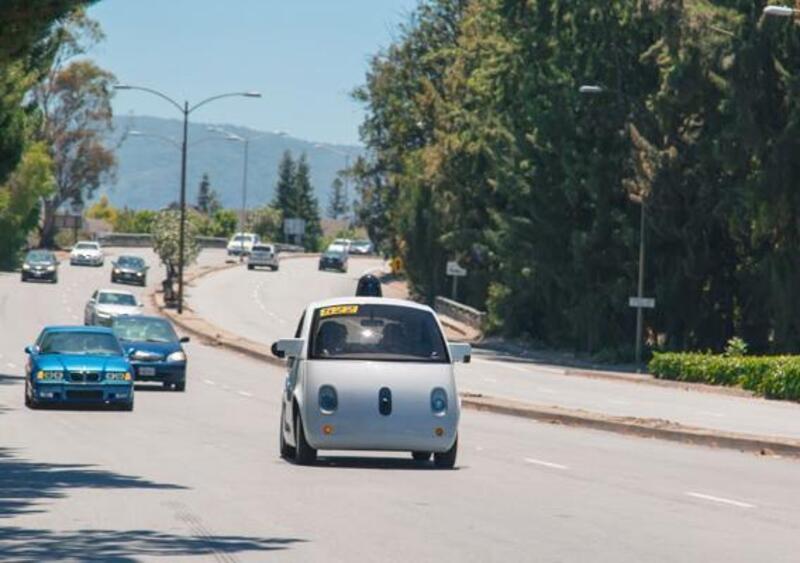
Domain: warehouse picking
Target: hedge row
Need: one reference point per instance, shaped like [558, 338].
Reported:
[775, 377]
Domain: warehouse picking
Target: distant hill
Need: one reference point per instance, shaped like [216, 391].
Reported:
[148, 176]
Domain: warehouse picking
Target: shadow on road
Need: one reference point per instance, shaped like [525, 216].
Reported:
[395, 463]
[24, 484]
[8, 379]
[19, 544]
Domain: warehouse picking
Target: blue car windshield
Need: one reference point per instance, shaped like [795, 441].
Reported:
[144, 330]
[75, 343]
[130, 262]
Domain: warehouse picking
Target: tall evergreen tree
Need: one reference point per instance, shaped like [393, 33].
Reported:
[284, 199]
[207, 198]
[307, 204]
[338, 205]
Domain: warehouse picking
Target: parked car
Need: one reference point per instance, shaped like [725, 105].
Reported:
[156, 352]
[345, 243]
[130, 269]
[105, 304]
[333, 260]
[362, 247]
[40, 265]
[78, 364]
[263, 256]
[87, 253]
[242, 244]
[370, 374]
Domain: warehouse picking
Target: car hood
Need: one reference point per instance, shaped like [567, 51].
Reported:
[118, 309]
[159, 348]
[68, 362]
[39, 264]
[128, 269]
[85, 252]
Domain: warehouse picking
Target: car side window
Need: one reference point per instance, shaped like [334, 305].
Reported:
[94, 296]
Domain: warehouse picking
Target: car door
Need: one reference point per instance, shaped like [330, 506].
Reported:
[294, 365]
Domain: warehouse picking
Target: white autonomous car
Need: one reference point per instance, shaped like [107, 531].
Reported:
[369, 373]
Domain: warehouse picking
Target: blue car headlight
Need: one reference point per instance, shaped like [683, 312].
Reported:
[439, 401]
[47, 375]
[178, 356]
[118, 376]
[328, 400]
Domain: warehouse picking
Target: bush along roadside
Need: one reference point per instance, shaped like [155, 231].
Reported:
[774, 377]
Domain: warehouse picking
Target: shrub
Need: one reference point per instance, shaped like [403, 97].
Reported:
[775, 377]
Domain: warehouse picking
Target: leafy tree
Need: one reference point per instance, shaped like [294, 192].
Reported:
[133, 221]
[337, 204]
[166, 239]
[19, 200]
[207, 198]
[74, 101]
[103, 210]
[266, 222]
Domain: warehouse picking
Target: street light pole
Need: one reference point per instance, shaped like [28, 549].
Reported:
[185, 110]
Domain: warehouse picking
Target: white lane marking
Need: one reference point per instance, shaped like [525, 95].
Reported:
[11, 365]
[208, 382]
[245, 394]
[549, 464]
[227, 388]
[618, 402]
[721, 500]
[712, 413]
[510, 365]
[478, 448]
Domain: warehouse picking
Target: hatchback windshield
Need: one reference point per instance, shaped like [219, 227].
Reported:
[39, 256]
[144, 330]
[117, 299]
[86, 246]
[80, 344]
[240, 238]
[130, 261]
[377, 333]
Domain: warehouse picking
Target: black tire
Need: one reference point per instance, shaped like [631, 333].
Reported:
[180, 387]
[23, 278]
[30, 402]
[446, 460]
[127, 407]
[55, 279]
[304, 454]
[144, 282]
[421, 456]
[286, 451]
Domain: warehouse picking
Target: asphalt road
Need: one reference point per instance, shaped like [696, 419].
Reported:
[197, 475]
[264, 306]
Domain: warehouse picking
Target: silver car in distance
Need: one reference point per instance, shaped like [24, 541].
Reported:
[370, 373]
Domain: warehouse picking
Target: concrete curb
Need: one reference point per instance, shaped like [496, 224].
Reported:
[642, 427]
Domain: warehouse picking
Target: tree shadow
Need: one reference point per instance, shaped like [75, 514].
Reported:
[386, 463]
[19, 544]
[9, 379]
[26, 485]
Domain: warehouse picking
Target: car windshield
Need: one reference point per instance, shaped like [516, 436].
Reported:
[80, 344]
[144, 330]
[334, 254]
[86, 246]
[116, 299]
[39, 256]
[376, 333]
[130, 261]
[242, 238]
[262, 249]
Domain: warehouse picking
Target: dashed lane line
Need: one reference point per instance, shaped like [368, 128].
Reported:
[11, 365]
[549, 464]
[208, 382]
[245, 394]
[720, 500]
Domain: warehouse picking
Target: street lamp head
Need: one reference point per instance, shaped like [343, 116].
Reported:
[780, 11]
[122, 87]
[252, 94]
[135, 133]
[591, 89]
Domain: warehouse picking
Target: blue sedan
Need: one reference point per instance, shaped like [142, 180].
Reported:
[155, 350]
[78, 365]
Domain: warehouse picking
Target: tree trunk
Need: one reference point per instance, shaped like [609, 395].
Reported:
[48, 229]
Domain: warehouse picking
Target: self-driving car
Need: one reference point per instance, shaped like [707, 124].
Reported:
[368, 373]
[40, 265]
[77, 364]
[129, 269]
[156, 352]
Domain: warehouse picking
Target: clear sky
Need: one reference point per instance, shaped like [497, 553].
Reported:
[304, 56]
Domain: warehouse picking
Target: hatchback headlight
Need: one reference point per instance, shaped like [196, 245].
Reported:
[50, 375]
[118, 376]
[139, 274]
[177, 357]
[51, 268]
[26, 266]
[439, 401]
[328, 400]
[116, 271]
[103, 315]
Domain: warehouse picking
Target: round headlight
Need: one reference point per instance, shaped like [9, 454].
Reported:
[439, 400]
[26, 266]
[328, 400]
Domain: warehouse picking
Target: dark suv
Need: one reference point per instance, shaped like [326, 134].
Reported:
[40, 265]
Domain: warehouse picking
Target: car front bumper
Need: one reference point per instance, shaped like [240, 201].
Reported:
[34, 274]
[162, 372]
[85, 260]
[81, 393]
[129, 277]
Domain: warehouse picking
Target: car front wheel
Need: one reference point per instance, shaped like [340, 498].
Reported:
[446, 460]
[421, 456]
[304, 453]
[286, 451]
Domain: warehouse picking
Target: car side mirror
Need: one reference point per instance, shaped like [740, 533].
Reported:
[461, 353]
[140, 305]
[288, 348]
[131, 353]
[185, 339]
[30, 350]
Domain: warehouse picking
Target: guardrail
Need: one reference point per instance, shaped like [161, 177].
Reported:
[460, 312]
[144, 240]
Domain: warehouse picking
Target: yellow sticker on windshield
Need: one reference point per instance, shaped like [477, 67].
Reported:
[338, 310]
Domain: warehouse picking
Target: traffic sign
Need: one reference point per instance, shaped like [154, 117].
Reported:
[453, 269]
[642, 302]
[296, 227]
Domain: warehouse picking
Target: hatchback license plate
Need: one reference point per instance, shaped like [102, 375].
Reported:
[147, 371]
